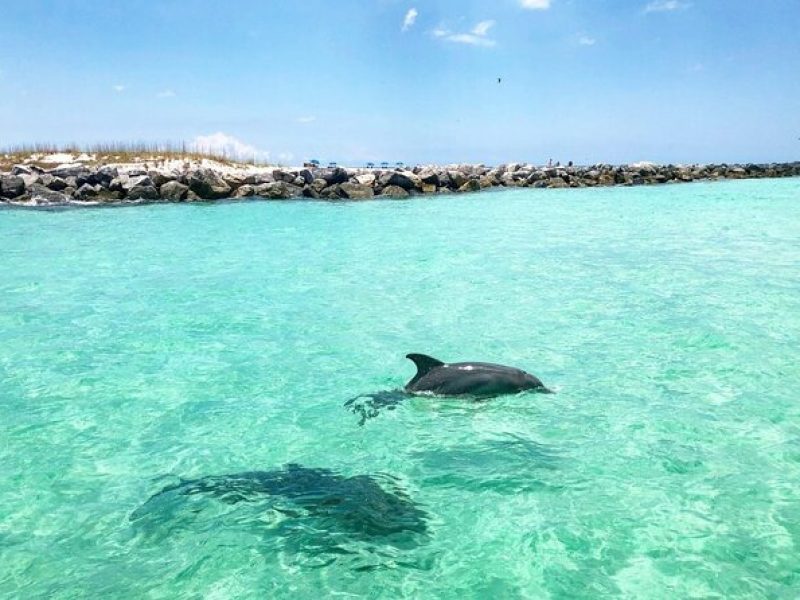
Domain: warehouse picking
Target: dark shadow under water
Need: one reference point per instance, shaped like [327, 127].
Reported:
[313, 511]
[369, 406]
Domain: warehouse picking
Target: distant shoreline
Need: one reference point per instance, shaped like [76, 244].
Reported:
[84, 183]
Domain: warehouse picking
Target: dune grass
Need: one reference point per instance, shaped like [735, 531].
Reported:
[115, 152]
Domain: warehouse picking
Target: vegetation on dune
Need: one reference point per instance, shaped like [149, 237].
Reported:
[117, 152]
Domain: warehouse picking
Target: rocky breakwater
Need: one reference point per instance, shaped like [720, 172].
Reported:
[78, 184]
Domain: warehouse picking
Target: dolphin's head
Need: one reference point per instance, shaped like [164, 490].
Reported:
[530, 382]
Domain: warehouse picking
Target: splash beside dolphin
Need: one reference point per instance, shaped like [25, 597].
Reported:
[477, 379]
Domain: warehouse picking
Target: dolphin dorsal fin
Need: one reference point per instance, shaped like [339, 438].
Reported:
[424, 363]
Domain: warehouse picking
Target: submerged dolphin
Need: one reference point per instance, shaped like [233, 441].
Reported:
[469, 378]
[358, 505]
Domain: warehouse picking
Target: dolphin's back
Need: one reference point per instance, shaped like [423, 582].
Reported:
[469, 378]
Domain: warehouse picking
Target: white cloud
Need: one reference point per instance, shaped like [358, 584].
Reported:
[482, 28]
[285, 157]
[410, 19]
[473, 40]
[227, 145]
[166, 94]
[476, 37]
[665, 6]
[585, 40]
[308, 119]
[535, 4]
[118, 88]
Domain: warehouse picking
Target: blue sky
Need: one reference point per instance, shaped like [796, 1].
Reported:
[347, 80]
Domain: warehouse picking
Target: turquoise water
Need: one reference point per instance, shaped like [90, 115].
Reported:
[141, 345]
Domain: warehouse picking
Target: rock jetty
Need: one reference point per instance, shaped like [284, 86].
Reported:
[84, 185]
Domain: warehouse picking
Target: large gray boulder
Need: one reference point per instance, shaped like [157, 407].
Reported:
[42, 195]
[174, 191]
[332, 176]
[366, 179]
[245, 191]
[86, 193]
[158, 178]
[310, 192]
[55, 183]
[65, 171]
[507, 179]
[429, 176]
[394, 191]
[141, 188]
[607, 179]
[143, 192]
[117, 185]
[471, 185]
[404, 179]
[21, 170]
[261, 178]
[277, 190]
[31, 179]
[102, 176]
[285, 176]
[534, 177]
[317, 186]
[293, 191]
[737, 173]
[138, 181]
[356, 191]
[457, 179]
[106, 195]
[306, 175]
[235, 180]
[209, 185]
[11, 186]
[332, 192]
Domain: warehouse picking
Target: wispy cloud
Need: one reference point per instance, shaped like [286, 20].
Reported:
[227, 145]
[119, 88]
[666, 6]
[166, 94]
[308, 119]
[410, 19]
[585, 40]
[535, 4]
[478, 36]
[482, 28]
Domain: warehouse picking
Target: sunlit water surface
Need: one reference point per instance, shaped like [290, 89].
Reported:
[143, 345]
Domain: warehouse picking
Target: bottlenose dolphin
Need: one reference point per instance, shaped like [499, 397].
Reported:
[358, 506]
[482, 380]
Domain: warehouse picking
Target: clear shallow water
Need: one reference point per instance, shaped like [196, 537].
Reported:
[146, 344]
